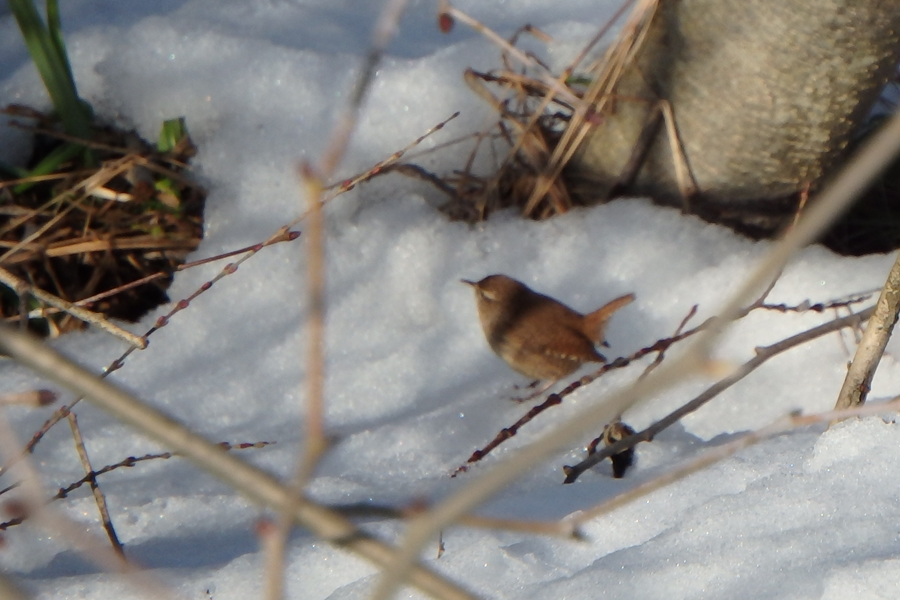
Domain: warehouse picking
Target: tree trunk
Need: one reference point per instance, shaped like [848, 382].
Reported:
[766, 95]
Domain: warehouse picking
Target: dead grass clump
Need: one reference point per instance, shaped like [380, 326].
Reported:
[542, 118]
[106, 237]
[528, 128]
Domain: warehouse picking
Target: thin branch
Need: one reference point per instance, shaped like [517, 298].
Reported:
[820, 307]
[551, 528]
[99, 498]
[599, 93]
[660, 356]
[275, 538]
[129, 462]
[87, 316]
[714, 455]
[283, 234]
[762, 355]
[314, 180]
[30, 503]
[852, 180]
[659, 347]
[31, 398]
[254, 483]
[385, 29]
[545, 77]
[858, 381]
[596, 39]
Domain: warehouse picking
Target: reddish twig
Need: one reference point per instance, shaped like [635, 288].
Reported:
[762, 355]
[660, 347]
[661, 356]
[284, 234]
[819, 307]
[125, 463]
[99, 498]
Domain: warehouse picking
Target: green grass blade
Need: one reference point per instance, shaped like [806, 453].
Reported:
[172, 131]
[53, 66]
[50, 164]
[54, 27]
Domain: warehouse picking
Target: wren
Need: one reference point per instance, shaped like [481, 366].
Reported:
[536, 335]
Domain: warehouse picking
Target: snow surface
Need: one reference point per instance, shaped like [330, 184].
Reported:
[412, 387]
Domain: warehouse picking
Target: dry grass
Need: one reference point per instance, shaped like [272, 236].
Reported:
[542, 118]
[106, 237]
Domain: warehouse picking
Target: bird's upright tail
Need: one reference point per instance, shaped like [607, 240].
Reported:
[595, 322]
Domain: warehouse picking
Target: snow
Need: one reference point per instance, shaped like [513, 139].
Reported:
[412, 387]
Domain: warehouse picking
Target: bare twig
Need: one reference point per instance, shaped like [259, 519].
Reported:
[124, 463]
[820, 307]
[687, 183]
[283, 234]
[87, 316]
[596, 39]
[659, 347]
[544, 76]
[554, 399]
[598, 94]
[314, 180]
[254, 483]
[551, 528]
[871, 347]
[32, 398]
[850, 182]
[714, 455]
[762, 355]
[99, 498]
[275, 538]
[678, 331]
[31, 504]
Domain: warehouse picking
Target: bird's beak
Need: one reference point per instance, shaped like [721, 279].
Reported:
[467, 282]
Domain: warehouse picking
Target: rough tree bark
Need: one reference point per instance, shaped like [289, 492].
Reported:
[766, 95]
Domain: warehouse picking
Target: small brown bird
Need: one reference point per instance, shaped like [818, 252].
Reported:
[536, 335]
